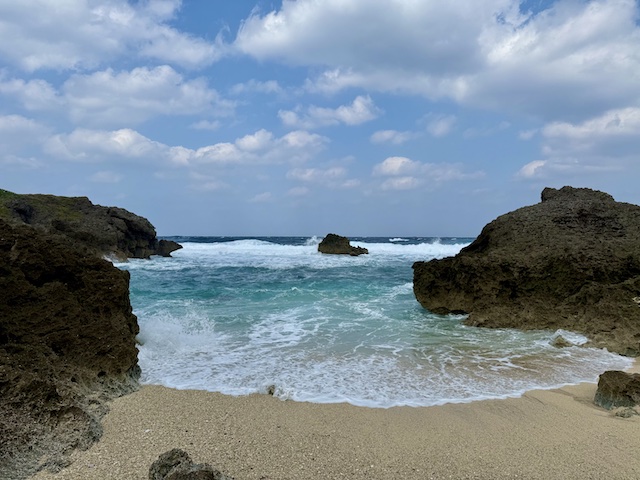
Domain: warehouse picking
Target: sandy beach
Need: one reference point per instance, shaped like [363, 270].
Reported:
[553, 434]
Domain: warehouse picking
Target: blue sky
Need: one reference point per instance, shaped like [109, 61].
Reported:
[359, 117]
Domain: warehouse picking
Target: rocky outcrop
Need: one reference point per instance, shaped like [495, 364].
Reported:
[338, 245]
[570, 262]
[177, 465]
[106, 231]
[618, 389]
[67, 345]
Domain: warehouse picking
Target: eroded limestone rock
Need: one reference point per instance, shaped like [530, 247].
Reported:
[338, 245]
[571, 262]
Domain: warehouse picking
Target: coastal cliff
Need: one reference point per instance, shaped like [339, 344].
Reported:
[67, 345]
[571, 262]
[106, 231]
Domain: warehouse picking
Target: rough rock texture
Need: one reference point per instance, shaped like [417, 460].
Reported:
[336, 244]
[571, 262]
[107, 231]
[67, 344]
[618, 389]
[177, 465]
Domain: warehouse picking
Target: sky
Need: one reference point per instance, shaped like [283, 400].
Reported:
[304, 117]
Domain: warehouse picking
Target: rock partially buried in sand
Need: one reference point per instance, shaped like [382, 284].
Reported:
[618, 389]
[177, 465]
[338, 245]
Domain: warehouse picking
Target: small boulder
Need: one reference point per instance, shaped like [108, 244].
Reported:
[560, 342]
[338, 245]
[177, 465]
[618, 389]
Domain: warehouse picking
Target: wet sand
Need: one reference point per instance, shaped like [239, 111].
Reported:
[545, 434]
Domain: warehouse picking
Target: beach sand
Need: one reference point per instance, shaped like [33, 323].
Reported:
[552, 434]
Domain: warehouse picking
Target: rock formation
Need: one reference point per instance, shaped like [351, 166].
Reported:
[618, 389]
[177, 465]
[107, 231]
[67, 345]
[571, 262]
[338, 245]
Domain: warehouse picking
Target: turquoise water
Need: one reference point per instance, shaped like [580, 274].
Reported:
[239, 315]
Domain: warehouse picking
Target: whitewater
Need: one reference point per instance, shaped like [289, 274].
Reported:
[252, 315]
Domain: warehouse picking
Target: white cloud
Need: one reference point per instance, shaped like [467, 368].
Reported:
[440, 125]
[260, 140]
[612, 125]
[331, 177]
[396, 166]
[393, 137]
[408, 174]
[401, 183]
[605, 143]
[255, 86]
[361, 110]
[261, 198]
[12, 161]
[532, 169]
[33, 94]
[11, 125]
[42, 35]
[527, 134]
[578, 57]
[131, 97]
[96, 145]
[19, 134]
[203, 165]
[317, 175]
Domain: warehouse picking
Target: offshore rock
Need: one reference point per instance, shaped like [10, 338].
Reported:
[571, 262]
[338, 245]
[618, 389]
[106, 231]
[67, 345]
[177, 465]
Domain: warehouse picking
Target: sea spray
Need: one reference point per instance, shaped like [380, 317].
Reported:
[238, 315]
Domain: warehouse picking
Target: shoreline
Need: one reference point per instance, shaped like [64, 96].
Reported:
[543, 434]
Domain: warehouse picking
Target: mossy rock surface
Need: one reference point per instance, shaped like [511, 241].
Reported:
[106, 231]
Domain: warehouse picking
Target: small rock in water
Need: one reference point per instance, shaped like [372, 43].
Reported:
[271, 390]
[618, 389]
[177, 465]
[339, 245]
[560, 342]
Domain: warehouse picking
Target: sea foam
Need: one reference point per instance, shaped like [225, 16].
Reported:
[239, 315]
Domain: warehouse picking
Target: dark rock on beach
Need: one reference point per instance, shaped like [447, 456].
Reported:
[67, 345]
[177, 465]
[570, 262]
[338, 245]
[618, 389]
[106, 231]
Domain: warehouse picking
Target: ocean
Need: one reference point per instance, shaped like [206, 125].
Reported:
[248, 315]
